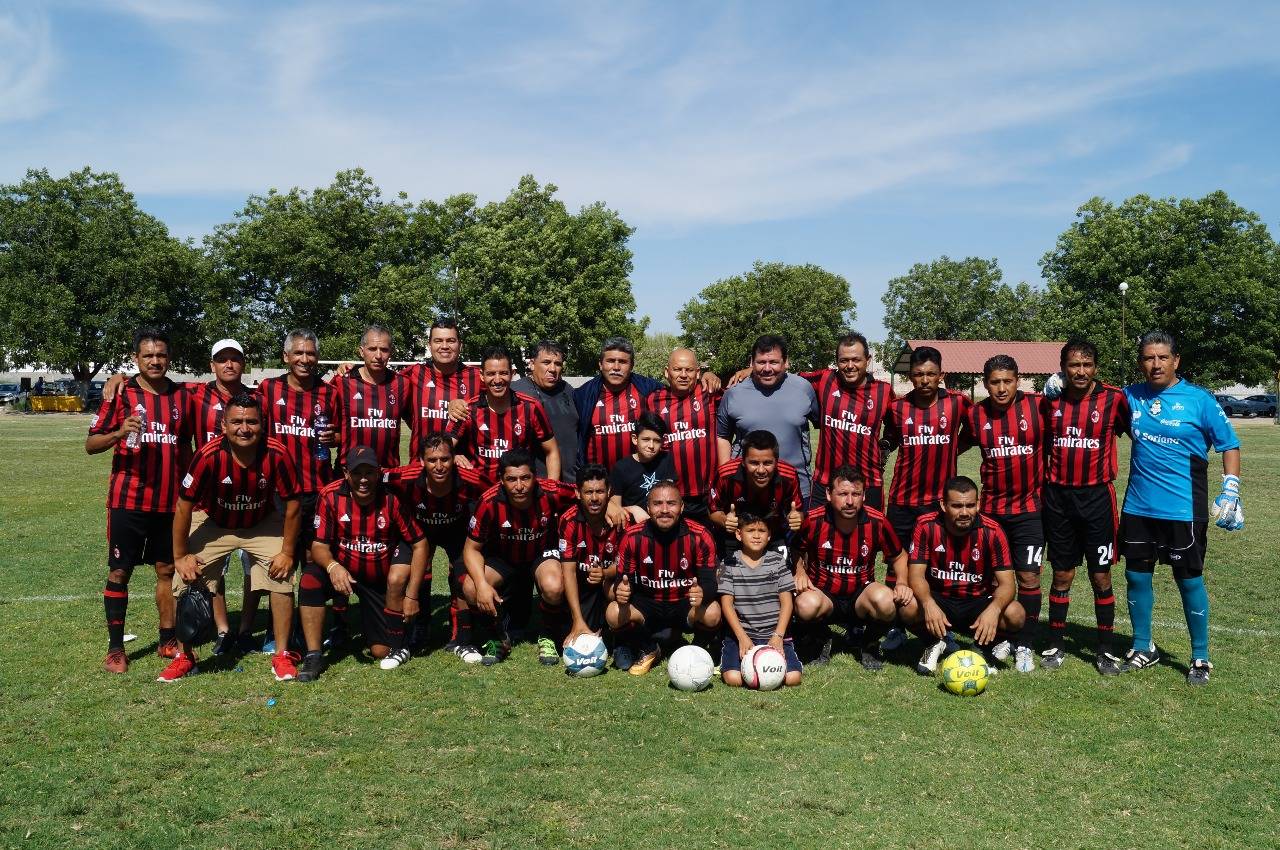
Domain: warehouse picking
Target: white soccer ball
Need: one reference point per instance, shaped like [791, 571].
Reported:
[763, 668]
[586, 656]
[690, 668]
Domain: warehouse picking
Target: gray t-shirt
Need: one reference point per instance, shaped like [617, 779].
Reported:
[755, 591]
[786, 410]
[563, 413]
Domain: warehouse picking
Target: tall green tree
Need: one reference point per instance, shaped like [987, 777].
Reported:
[806, 305]
[653, 352]
[526, 268]
[1205, 270]
[81, 267]
[957, 300]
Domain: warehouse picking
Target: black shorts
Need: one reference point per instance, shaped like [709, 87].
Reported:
[1080, 522]
[138, 537]
[903, 519]
[874, 496]
[844, 607]
[663, 615]
[1179, 543]
[593, 603]
[509, 573]
[962, 613]
[307, 515]
[1025, 533]
[374, 620]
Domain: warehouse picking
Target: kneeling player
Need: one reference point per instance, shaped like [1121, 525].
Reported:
[588, 552]
[962, 573]
[369, 544]
[836, 575]
[233, 479]
[666, 581]
[511, 547]
[755, 586]
[760, 483]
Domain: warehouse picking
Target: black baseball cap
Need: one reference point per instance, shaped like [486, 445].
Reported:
[362, 456]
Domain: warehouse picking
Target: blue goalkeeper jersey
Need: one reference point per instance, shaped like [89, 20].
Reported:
[1169, 463]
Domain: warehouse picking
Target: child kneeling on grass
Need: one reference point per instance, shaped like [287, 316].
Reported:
[755, 587]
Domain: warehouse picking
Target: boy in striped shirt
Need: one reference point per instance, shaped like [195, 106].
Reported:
[755, 586]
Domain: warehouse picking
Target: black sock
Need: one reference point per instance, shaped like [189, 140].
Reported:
[1030, 600]
[873, 631]
[115, 599]
[395, 629]
[1059, 602]
[461, 621]
[555, 621]
[1104, 609]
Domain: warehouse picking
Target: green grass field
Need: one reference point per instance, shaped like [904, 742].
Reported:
[441, 755]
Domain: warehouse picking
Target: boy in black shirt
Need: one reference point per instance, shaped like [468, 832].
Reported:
[633, 477]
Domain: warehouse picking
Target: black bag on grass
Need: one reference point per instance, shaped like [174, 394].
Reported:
[195, 614]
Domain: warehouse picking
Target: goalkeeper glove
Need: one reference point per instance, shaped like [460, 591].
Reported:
[1053, 386]
[1227, 510]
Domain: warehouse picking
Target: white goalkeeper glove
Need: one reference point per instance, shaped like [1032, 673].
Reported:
[1227, 511]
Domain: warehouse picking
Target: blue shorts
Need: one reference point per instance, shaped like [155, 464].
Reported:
[730, 660]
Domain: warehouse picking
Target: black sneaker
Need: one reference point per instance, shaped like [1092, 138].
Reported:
[1134, 660]
[223, 644]
[1053, 657]
[870, 658]
[1107, 663]
[312, 666]
[335, 637]
[1199, 672]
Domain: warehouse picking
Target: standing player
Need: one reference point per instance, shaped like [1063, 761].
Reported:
[835, 574]
[499, 421]
[588, 552]
[666, 581]
[1164, 519]
[759, 483]
[145, 426]
[545, 384]
[510, 548]
[853, 405]
[438, 382]
[609, 404]
[961, 572]
[367, 543]
[233, 481]
[373, 400]
[1079, 497]
[1008, 430]
[689, 409]
[441, 495]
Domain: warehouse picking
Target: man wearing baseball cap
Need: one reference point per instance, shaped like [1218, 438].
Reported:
[367, 542]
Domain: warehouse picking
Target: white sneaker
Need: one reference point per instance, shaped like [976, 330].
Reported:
[395, 659]
[468, 653]
[928, 663]
[1024, 659]
[1000, 652]
[893, 640]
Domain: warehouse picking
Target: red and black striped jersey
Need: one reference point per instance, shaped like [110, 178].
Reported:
[841, 564]
[691, 437]
[612, 420]
[371, 415]
[664, 565]
[363, 538]
[485, 434]
[521, 536]
[443, 519]
[585, 547]
[236, 496]
[205, 405]
[432, 392]
[1082, 436]
[851, 424]
[1012, 447]
[145, 477]
[927, 443]
[289, 416]
[774, 502]
[960, 566]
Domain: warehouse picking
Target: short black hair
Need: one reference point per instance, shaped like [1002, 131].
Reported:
[650, 421]
[747, 517]
[1083, 346]
[762, 440]
[444, 323]
[846, 472]
[766, 343]
[514, 458]
[663, 485]
[999, 363]
[550, 346]
[142, 335]
[1157, 337]
[853, 338]
[243, 399]
[495, 352]
[436, 441]
[925, 354]
[592, 472]
[959, 484]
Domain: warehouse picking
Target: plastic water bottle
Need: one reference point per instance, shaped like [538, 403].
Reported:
[318, 424]
[131, 441]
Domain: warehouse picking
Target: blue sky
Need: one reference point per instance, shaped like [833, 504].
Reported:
[860, 137]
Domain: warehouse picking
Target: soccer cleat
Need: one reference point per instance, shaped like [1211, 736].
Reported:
[285, 666]
[869, 657]
[1199, 672]
[495, 652]
[181, 665]
[116, 661]
[547, 655]
[645, 662]
[169, 649]
[1024, 660]
[928, 663]
[223, 644]
[468, 653]
[893, 640]
[1002, 650]
[394, 659]
[1107, 664]
[1053, 657]
[624, 656]
[312, 666]
[1134, 660]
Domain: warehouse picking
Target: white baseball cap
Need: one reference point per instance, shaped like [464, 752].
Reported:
[223, 344]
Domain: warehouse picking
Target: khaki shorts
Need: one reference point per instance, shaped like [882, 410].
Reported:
[213, 546]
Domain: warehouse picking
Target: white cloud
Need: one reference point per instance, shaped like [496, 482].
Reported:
[27, 63]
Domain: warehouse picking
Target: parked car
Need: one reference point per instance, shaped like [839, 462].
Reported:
[9, 393]
[93, 399]
[1266, 399]
[1233, 406]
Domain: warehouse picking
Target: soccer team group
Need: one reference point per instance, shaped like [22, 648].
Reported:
[646, 511]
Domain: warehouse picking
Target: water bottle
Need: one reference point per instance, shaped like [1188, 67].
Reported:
[318, 424]
[131, 441]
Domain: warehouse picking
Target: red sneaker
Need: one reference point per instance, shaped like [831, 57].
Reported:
[181, 665]
[285, 665]
[116, 662]
[169, 649]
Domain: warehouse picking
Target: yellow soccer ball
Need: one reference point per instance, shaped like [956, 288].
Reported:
[964, 673]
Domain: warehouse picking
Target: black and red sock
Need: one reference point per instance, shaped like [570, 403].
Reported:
[555, 621]
[395, 628]
[115, 599]
[1030, 599]
[460, 621]
[1104, 609]
[1059, 602]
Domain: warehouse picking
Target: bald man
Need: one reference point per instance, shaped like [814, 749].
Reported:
[689, 409]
